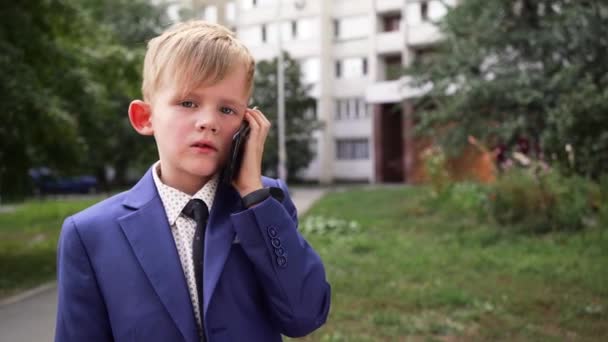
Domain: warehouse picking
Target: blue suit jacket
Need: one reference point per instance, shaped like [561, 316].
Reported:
[120, 276]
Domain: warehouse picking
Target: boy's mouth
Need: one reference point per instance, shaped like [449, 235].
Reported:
[204, 146]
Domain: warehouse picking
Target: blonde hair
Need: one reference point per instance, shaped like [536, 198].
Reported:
[194, 53]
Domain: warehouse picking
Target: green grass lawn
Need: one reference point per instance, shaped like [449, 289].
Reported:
[28, 242]
[405, 271]
[415, 272]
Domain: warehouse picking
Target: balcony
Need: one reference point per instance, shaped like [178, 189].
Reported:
[393, 72]
[423, 34]
[390, 42]
[393, 91]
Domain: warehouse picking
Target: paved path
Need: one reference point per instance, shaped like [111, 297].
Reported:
[31, 316]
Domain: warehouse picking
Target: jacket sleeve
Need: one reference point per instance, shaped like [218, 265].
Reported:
[81, 312]
[291, 272]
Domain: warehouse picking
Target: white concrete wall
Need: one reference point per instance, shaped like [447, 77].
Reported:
[353, 87]
[354, 169]
[353, 128]
[351, 48]
[389, 5]
[344, 8]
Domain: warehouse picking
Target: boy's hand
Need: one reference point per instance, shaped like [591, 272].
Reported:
[249, 178]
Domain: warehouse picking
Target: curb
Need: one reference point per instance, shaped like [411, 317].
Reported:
[28, 294]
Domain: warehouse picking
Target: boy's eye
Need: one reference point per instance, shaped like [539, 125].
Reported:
[187, 104]
[227, 110]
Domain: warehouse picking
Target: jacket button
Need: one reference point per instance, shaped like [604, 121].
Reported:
[276, 243]
[282, 262]
[272, 231]
[279, 251]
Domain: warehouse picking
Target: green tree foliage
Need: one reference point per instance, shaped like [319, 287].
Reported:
[522, 68]
[67, 68]
[37, 71]
[108, 131]
[299, 121]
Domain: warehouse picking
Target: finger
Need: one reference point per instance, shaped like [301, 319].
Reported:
[253, 123]
[262, 119]
[265, 119]
[254, 116]
[257, 110]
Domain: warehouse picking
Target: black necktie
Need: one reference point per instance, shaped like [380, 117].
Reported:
[197, 210]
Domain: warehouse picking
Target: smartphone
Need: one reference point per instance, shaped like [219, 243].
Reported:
[233, 165]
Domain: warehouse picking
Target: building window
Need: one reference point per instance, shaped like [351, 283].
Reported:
[336, 28]
[264, 34]
[210, 14]
[391, 22]
[424, 56]
[338, 69]
[248, 4]
[311, 70]
[350, 109]
[352, 67]
[362, 113]
[294, 29]
[352, 27]
[307, 28]
[252, 35]
[424, 11]
[393, 67]
[230, 11]
[337, 110]
[352, 149]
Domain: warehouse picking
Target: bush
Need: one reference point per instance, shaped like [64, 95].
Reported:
[462, 199]
[435, 166]
[601, 202]
[542, 200]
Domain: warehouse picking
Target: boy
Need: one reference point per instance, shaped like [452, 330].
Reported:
[146, 264]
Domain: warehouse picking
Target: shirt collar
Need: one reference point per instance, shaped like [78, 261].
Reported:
[175, 200]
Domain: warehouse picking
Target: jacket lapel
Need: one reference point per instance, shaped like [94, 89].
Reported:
[218, 238]
[149, 235]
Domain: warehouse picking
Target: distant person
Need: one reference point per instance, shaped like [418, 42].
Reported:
[147, 264]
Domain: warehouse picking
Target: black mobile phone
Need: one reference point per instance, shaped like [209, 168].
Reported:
[233, 165]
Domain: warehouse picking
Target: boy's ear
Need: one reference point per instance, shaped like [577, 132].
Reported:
[140, 115]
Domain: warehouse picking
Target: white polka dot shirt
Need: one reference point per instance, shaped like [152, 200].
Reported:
[183, 227]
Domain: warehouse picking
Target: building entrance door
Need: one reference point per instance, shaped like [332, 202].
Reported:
[389, 143]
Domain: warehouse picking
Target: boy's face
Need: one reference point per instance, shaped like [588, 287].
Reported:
[193, 132]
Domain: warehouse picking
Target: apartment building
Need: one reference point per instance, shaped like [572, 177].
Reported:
[351, 52]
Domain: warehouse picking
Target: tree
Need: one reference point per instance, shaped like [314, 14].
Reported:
[131, 24]
[522, 68]
[300, 123]
[38, 67]
[67, 68]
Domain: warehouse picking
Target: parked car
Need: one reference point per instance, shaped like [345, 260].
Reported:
[47, 182]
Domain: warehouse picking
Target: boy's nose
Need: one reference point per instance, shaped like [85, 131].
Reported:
[207, 121]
